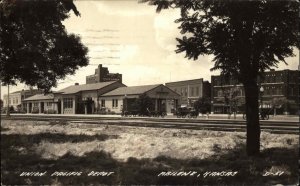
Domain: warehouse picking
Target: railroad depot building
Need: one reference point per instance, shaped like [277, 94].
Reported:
[163, 98]
[278, 89]
[75, 99]
[94, 98]
[191, 90]
[40, 103]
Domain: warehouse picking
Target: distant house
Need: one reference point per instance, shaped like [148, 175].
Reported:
[164, 99]
[16, 98]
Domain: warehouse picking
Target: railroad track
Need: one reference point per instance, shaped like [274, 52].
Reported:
[281, 127]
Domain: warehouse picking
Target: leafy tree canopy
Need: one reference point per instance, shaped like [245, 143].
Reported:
[202, 105]
[145, 104]
[246, 37]
[35, 46]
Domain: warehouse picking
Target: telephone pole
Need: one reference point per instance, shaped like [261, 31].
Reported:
[8, 109]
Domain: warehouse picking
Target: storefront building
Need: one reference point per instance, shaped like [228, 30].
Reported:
[190, 90]
[278, 92]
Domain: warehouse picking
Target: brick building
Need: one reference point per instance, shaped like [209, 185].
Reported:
[190, 90]
[280, 90]
[102, 75]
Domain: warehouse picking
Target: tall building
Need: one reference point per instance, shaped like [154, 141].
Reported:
[190, 90]
[278, 89]
[102, 75]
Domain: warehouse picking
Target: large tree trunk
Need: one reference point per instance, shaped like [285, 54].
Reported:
[252, 112]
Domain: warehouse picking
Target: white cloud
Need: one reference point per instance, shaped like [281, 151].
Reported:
[128, 52]
[166, 30]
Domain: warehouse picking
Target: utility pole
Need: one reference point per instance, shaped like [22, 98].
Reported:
[1, 98]
[8, 109]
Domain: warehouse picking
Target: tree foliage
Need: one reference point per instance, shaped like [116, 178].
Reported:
[35, 46]
[245, 37]
[202, 105]
[145, 103]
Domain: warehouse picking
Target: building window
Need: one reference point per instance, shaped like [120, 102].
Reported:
[192, 91]
[102, 103]
[279, 90]
[291, 91]
[114, 103]
[220, 93]
[197, 91]
[68, 103]
[278, 78]
[267, 91]
[185, 92]
[181, 92]
[49, 104]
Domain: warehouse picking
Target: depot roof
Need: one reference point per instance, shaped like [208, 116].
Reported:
[134, 90]
[40, 97]
[77, 88]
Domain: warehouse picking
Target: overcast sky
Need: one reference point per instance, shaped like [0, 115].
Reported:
[132, 39]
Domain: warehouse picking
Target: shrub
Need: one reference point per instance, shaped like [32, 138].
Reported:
[111, 112]
[35, 110]
[50, 111]
[101, 112]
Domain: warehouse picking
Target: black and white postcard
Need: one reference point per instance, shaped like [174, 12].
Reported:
[149, 92]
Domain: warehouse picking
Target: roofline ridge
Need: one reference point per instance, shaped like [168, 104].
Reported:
[185, 80]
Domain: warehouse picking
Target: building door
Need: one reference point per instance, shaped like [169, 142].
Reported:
[42, 107]
[89, 105]
[30, 108]
[59, 107]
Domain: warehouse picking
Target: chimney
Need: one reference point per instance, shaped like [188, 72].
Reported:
[76, 84]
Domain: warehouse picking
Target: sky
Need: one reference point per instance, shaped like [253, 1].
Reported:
[132, 39]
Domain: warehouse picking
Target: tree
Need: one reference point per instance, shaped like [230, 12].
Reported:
[145, 103]
[202, 105]
[245, 37]
[35, 46]
[231, 99]
[1, 104]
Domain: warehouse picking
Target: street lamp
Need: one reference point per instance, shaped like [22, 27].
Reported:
[125, 102]
[261, 90]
